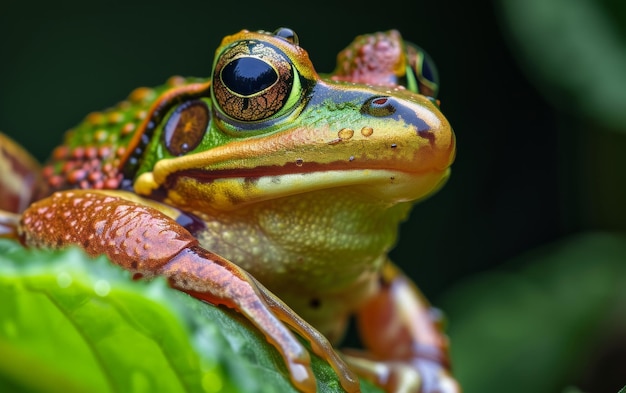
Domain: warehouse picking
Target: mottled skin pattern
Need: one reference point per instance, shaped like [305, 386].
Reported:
[98, 152]
[266, 178]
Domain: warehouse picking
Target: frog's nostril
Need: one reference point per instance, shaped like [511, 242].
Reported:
[378, 106]
[390, 107]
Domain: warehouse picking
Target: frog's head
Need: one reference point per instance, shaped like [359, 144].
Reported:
[268, 126]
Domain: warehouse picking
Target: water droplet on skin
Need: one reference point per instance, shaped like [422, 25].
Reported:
[64, 280]
[345, 133]
[367, 131]
[102, 288]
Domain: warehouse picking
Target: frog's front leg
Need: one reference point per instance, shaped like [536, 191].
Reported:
[147, 242]
[407, 349]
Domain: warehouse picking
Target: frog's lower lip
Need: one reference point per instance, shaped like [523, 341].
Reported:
[251, 174]
[228, 188]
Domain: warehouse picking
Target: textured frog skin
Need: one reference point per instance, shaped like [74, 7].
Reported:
[269, 189]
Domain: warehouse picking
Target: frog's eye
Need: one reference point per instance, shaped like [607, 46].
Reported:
[421, 74]
[185, 127]
[252, 81]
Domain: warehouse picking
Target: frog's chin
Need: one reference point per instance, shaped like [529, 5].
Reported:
[213, 191]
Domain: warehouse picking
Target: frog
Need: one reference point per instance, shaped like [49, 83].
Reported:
[268, 189]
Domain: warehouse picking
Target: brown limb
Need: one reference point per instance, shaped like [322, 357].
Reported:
[407, 348]
[147, 242]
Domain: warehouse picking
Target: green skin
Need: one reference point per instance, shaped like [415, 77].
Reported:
[298, 179]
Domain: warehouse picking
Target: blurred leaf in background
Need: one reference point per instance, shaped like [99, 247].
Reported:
[553, 319]
[550, 319]
[575, 52]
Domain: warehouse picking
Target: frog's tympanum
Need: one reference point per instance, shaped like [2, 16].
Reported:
[266, 188]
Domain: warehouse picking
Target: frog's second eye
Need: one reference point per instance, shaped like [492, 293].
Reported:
[421, 73]
[252, 81]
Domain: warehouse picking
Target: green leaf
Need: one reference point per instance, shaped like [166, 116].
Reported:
[73, 324]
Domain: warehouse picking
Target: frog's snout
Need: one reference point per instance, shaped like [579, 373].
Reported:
[434, 147]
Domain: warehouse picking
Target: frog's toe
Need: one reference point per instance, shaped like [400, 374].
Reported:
[302, 377]
[319, 344]
[403, 376]
[435, 378]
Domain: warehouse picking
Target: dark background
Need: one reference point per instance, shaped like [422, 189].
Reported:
[528, 171]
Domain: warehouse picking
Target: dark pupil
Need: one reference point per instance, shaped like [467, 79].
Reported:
[248, 75]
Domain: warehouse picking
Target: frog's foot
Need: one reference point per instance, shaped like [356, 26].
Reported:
[407, 350]
[415, 375]
[208, 277]
[319, 343]
[148, 242]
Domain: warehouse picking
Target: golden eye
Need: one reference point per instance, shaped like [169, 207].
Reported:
[252, 81]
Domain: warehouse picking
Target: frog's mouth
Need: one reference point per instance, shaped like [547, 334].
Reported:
[385, 156]
[403, 168]
[232, 188]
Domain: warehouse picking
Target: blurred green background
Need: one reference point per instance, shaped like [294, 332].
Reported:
[523, 248]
